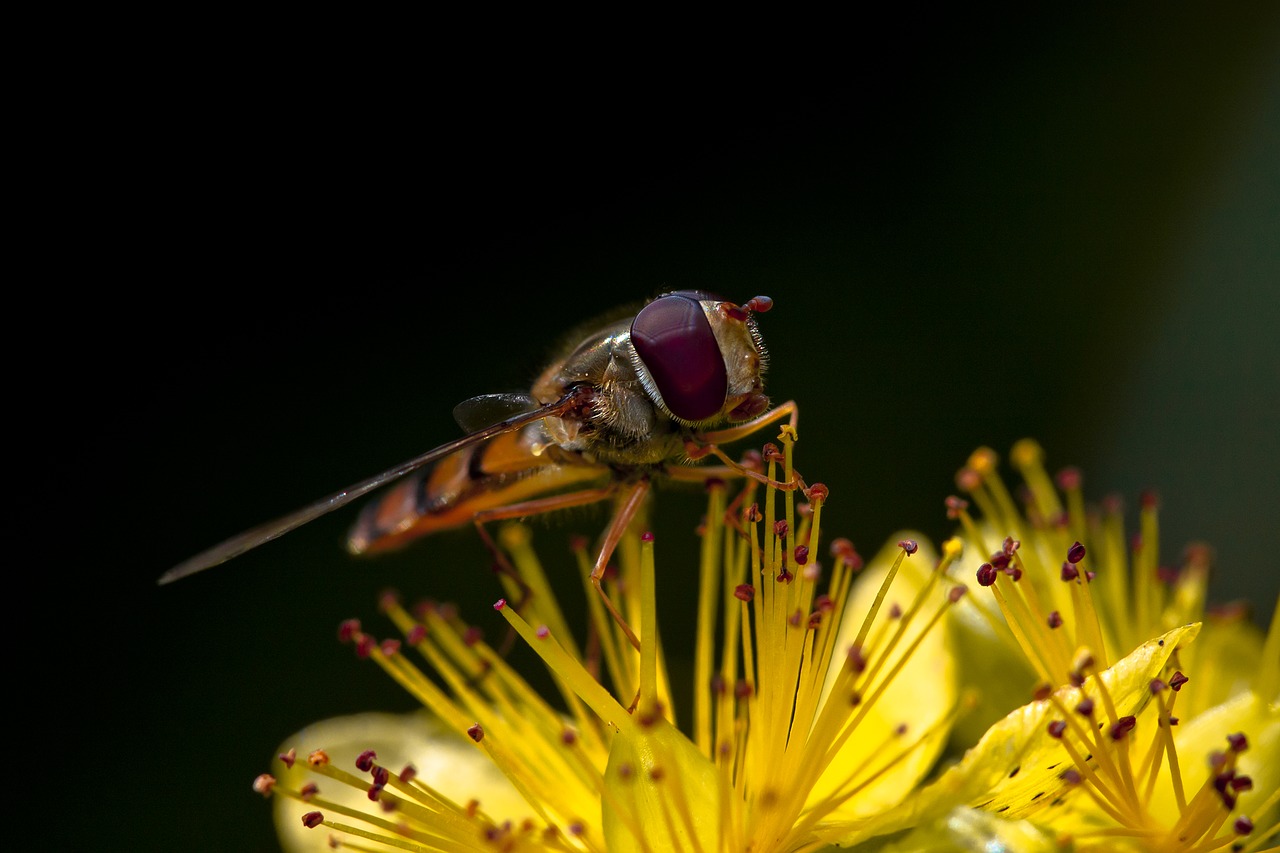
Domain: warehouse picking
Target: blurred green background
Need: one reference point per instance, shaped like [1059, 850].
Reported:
[1059, 226]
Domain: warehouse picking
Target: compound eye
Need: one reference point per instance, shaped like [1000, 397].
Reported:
[674, 340]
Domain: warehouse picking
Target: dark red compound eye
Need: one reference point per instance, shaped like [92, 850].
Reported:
[674, 340]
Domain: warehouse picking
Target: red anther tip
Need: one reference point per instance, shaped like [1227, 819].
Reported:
[956, 593]
[1057, 728]
[759, 304]
[312, 819]
[1055, 619]
[347, 629]
[416, 634]
[1069, 478]
[744, 592]
[1149, 499]
[987, 574]
[1243, 825]
[1122, 727]
[500, 604]
[264, 783]
[391, 647]
[818, 492]
[647, 536]
[287, 758]
[909, 545]
[968, 480]
[389, 599]
[1075, 553]
[364, 761]
[476, 733]
[543, 632]
[1177, 680]
[1239, 743]
[802, 555]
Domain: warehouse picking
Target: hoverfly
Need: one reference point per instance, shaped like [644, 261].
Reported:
[644, 397]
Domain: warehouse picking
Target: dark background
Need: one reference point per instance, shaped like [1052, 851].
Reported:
[1050, 226]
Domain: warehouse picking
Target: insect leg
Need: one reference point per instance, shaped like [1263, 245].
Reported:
[707, 443]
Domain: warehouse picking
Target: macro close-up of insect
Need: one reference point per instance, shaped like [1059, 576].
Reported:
[648, 396]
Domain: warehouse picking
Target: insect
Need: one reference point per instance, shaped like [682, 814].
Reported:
[648, 396]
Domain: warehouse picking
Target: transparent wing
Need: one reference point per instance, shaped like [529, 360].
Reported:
[263, 533]
[479, 412]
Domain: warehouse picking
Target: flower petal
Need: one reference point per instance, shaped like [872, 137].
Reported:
[1015, 767]
[442, 759]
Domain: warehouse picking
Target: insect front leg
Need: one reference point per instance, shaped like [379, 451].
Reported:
[707, 443]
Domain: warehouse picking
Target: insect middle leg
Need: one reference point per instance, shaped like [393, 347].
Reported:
[628, 506]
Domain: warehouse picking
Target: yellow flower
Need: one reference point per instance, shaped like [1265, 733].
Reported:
[814, 711]
[1138, 737]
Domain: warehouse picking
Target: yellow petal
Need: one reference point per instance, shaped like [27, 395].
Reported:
[1207, 732]
[443, 759]
[657, 784]
[1015, 767]
[919, 699]
[967, 830]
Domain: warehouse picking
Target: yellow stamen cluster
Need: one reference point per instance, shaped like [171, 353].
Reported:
[796, 724]
[1073, 601]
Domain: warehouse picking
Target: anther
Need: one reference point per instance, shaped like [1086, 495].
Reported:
[968, 480]
[1177, 680]
[318, 758]
[347, 629]
[390, 647]
[744, 592]
[287, 758]
[1055, 619]
[1068, 479]
[1075, 553]
[1238, 742]
[817, 492]
[1121, 728]
[802, 554]
[312, 819]
[364, 761]
[1070, 572]
[476, 733]
[987, 574]
[910, 546]
[264, 783]
[1057, 728]
[955, 506]
[416, 634]
[1085, 707]
[308, 791]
